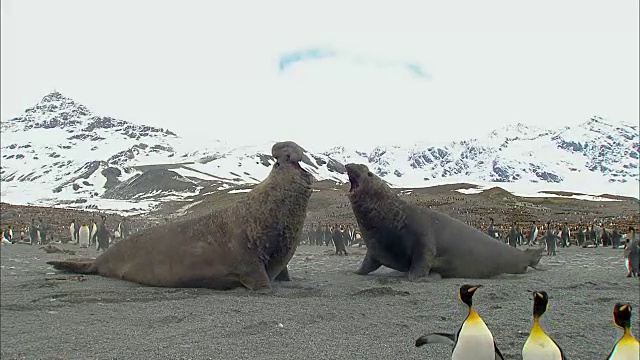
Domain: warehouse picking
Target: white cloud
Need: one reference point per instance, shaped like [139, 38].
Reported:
[194, 66]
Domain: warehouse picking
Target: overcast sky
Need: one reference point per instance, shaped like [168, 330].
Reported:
[210, 68]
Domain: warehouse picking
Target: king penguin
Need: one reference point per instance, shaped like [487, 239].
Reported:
[473, 341]
[539, 346]
[627, 347]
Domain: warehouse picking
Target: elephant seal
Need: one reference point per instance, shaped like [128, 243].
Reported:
[246, 244]
[421, 241]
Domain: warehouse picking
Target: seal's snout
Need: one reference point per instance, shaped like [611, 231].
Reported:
[354, 183]
[352, 173]
[300, 168]
[289, 152]
[350, 167]
[356, 173]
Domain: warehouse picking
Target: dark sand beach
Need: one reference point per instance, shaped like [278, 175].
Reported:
[326, 312]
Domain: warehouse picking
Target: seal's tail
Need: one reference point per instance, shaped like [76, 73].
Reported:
[78, 266]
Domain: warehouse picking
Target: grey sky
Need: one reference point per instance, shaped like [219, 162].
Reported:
[194, 66]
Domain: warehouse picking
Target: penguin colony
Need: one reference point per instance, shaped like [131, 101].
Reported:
[475, 341]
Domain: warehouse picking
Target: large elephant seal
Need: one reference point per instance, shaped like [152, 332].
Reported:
[420, 241]
[248, 243]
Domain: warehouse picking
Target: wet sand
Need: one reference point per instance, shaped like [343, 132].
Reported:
[326, 312]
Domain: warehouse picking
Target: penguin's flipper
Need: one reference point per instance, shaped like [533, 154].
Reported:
[612, 350]
[498, 353]
[436, 338]
[562, 355]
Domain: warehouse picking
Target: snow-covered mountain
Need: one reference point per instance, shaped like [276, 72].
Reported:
[60, 152]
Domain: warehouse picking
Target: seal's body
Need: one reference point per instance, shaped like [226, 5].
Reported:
[248, 243]
[417, 240]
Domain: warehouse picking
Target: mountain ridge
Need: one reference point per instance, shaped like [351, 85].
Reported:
[59, 150]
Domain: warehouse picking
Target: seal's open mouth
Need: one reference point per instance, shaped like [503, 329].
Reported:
[300, 168]
[354, 183]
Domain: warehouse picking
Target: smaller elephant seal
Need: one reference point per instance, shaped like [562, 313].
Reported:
[421, 241]
[246, 244]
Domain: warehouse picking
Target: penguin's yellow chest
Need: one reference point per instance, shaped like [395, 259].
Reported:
[475, 341]
[626, 348]
[539, 346]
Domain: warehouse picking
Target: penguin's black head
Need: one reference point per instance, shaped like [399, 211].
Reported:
[622, 315]
[465, 293]
[540, 303]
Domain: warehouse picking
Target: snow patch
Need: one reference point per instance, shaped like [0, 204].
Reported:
[237, 191]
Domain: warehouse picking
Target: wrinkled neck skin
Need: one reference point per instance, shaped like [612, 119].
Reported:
[283, 196]
[368, 200]
[286, 183]
[365, 195]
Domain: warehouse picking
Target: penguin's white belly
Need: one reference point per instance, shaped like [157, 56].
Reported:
[542, 348]
[475, 342]
[84, 236]
[626, 351]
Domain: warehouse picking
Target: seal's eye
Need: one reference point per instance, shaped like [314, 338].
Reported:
[370, 174]
[276, 164]
[288, 157]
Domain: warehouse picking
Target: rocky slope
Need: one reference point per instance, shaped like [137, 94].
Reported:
[60, 152]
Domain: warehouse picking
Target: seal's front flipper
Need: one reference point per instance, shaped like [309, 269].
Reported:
[284, 275]
[78, 266]
[369, 264]
[256, 279]
[422, 259]
[436, 338]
